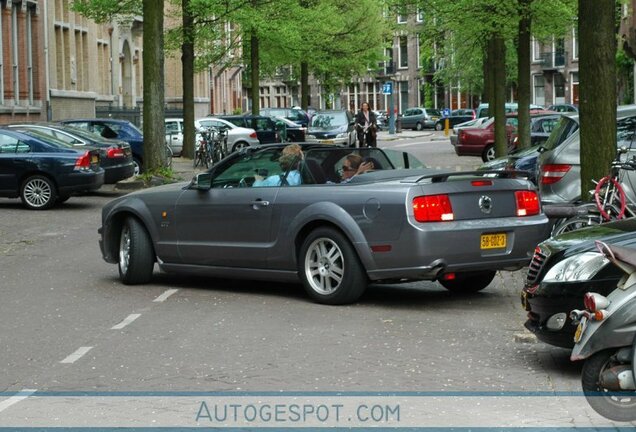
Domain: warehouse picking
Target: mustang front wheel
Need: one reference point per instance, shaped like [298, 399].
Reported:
[136, 256]
[330, 269]
[468, 282]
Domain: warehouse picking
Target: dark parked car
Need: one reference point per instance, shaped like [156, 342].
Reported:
[562, 270]
[334, 237]
[265, 127]
[332, 127]
[457, 116]
[290, 131]
[118, 129]
[564, 108]
[42, 173]
[294, 114]
[526, 159]
[115, 156]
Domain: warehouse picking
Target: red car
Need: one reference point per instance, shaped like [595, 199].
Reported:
[480, 141]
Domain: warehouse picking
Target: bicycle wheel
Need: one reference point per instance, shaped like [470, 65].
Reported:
[197, 158]
[169, 157]
[610, 198]
[574, 223]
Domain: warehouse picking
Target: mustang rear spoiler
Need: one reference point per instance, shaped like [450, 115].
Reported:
[442, 177]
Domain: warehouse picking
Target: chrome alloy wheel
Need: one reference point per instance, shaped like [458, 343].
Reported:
[37, 192]
[324, 266]
[124, 249]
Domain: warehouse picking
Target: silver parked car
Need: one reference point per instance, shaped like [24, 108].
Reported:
[237, 137]
[420, 118]
[559, 164]
[174, 135]
[334, 236]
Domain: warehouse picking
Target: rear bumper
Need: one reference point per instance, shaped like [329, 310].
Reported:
[115, 173]
[436, 248]
[82, 181]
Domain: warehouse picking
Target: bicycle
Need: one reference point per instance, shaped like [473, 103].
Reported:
[609, 195]
[202, 154]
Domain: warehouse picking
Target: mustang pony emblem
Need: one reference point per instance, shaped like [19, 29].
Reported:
[485, 204]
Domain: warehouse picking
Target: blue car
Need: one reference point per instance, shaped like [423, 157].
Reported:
[43, 173]
[120, 129]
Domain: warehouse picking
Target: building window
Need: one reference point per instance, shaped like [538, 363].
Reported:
[14, 51]
[404, 53]
[419, 17]
[559, 88]
[575, 43]
[1, 65]
[402, 14]
[417, 50]
[539, 90]
[574, 82]
[536, 50]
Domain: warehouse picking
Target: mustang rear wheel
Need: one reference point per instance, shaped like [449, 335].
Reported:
[469, 282]
[330, 269]
[136, 254]
[38, 193]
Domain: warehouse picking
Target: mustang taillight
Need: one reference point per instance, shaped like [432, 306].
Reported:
[115, 152]
[552, 173]
[83, 162]
[432, 208]
[527, 203]
[595, 302]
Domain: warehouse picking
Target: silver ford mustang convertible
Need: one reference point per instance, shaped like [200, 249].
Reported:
[313, 223]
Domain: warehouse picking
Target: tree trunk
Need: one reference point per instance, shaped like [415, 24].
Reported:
[597, 98]
[153, 115]
[499, 94]
[304, 85]
[187, 64]
[523, 79]
[485, 97]
[254, 59]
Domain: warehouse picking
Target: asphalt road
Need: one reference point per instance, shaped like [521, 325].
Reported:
[69, 325]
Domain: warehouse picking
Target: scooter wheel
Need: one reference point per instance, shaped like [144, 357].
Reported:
[610, 404]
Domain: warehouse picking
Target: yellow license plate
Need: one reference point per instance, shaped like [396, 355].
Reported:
[326, 141]
[493, 241]
[95, 159]
[580, 329]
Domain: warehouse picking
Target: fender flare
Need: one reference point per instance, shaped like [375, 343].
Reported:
[332, 214]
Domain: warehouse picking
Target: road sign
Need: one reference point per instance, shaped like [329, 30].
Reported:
[387, 88]
[446, 112]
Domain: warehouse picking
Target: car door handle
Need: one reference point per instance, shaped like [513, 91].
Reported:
[259, 203]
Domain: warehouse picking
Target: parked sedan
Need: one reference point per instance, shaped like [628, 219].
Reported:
[41, 173]
[419, 118]
[296, 115]
[457, 116]
[386, 225]
[118, 129]
[115, 156]
[237, 137]
[332, 127]
[265, 127]
[562, 270]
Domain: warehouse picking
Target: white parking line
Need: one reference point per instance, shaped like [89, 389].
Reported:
[23, 394]
[165, 295]
[77, 355]
[130, 318]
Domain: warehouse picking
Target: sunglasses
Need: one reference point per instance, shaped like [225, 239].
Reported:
[347, 168]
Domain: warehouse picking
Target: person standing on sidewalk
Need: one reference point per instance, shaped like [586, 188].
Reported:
[366, 126]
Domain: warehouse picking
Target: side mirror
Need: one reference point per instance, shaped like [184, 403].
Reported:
[541, 149]
[202, 181]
